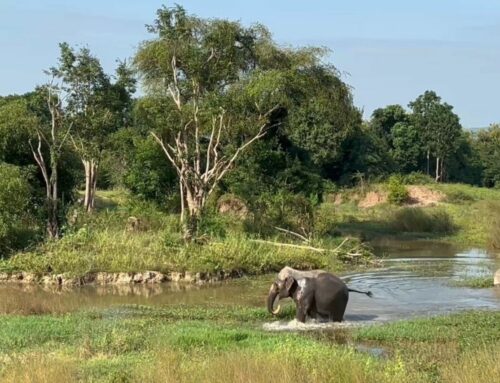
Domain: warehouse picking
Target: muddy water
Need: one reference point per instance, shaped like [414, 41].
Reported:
[415, 280]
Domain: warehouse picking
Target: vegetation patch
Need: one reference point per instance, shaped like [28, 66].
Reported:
[182, 344]
[418, 220]
[475, 283]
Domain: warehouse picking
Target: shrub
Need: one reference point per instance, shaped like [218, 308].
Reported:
[325, 222]
[417, 178]
[398, 194]
[15, 195]
[286, 210]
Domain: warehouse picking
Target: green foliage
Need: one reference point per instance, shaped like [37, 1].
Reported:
[285, 210]
[417, 178]
[384, 119]
[487, 144]
[407, 151]
[475, 282]
[439, 127]
[469, 329]
[398, 194]
[325, 221]
[418, 220]
[149, 174]
[16, 122]
[15, 196]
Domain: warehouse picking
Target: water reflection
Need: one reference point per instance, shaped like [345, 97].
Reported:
[414, 280]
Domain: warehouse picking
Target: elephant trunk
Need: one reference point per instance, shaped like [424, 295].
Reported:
[273, 294]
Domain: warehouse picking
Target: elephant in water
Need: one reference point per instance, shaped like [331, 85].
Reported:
[316, 293]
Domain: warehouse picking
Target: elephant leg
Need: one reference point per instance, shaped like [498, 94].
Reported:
[303, 309]
[337, 315]
[300, 315]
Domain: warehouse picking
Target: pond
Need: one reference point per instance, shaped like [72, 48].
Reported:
[416, 279]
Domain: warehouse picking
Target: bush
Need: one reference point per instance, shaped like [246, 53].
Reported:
[325, 222]
[417, 220]
[289, 211]
[417, 178]
[15, 196]
[398, 194]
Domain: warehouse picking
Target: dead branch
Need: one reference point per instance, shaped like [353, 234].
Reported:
[279, 244]
[300, 236]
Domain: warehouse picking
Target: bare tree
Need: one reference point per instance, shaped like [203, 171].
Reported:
[49, 143]
[200, 172]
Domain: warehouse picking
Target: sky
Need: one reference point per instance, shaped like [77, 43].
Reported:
[388, 51]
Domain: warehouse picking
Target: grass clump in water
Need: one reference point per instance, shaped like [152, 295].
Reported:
[475, 282]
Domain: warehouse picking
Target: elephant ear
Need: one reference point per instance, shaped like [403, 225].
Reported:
[289, 282]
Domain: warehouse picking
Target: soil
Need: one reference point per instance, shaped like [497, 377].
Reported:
[418, 196]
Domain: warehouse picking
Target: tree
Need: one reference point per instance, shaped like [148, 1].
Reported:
[50, 140]
[218, 101]
[440, 129]
[407, 147]
[321, 117]
[96, 106]
[384, 119]
[15, 194]
[16, 120]
[487, 144]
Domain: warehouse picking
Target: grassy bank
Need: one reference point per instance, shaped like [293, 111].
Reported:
[132, 344]
[126, 235]
[463, 215]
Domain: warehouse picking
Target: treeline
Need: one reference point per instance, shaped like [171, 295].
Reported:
[225, 110]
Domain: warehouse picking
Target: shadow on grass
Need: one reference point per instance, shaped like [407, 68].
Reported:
[405, 223]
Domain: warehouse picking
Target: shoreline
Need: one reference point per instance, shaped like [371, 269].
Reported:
[123, 278]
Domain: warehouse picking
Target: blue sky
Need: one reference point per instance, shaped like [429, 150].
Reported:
[389, 51]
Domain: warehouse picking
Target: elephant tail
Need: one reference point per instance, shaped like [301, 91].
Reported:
[369, 293]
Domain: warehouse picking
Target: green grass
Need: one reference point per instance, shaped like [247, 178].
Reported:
[469, 216]
[475, 282]
[467, 329]
[227, 344]
[104, 241]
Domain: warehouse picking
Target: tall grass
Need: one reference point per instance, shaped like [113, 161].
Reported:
[419, 220]
[148, 345]
[39, 368]
[476, 366]
[285, 365]
[494, 235]
[118, 251]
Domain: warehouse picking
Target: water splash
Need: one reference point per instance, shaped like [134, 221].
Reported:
[309, 325]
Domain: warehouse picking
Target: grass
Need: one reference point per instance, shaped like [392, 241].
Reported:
[438, 348]
[475, 282]
[189, 344]
[469, 216]
[418, 220]
[104, 241]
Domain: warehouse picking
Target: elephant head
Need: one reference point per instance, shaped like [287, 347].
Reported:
[280, 289]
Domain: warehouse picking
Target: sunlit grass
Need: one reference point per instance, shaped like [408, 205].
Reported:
[141, 344]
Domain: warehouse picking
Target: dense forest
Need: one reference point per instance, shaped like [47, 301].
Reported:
[224, 111]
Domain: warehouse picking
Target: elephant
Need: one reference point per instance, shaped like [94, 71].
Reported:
[316, 293]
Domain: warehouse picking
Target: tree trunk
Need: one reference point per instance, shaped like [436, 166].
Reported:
[441, 170]
[428, 162]
[194, 209]
[438, 171]
[90, 167]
